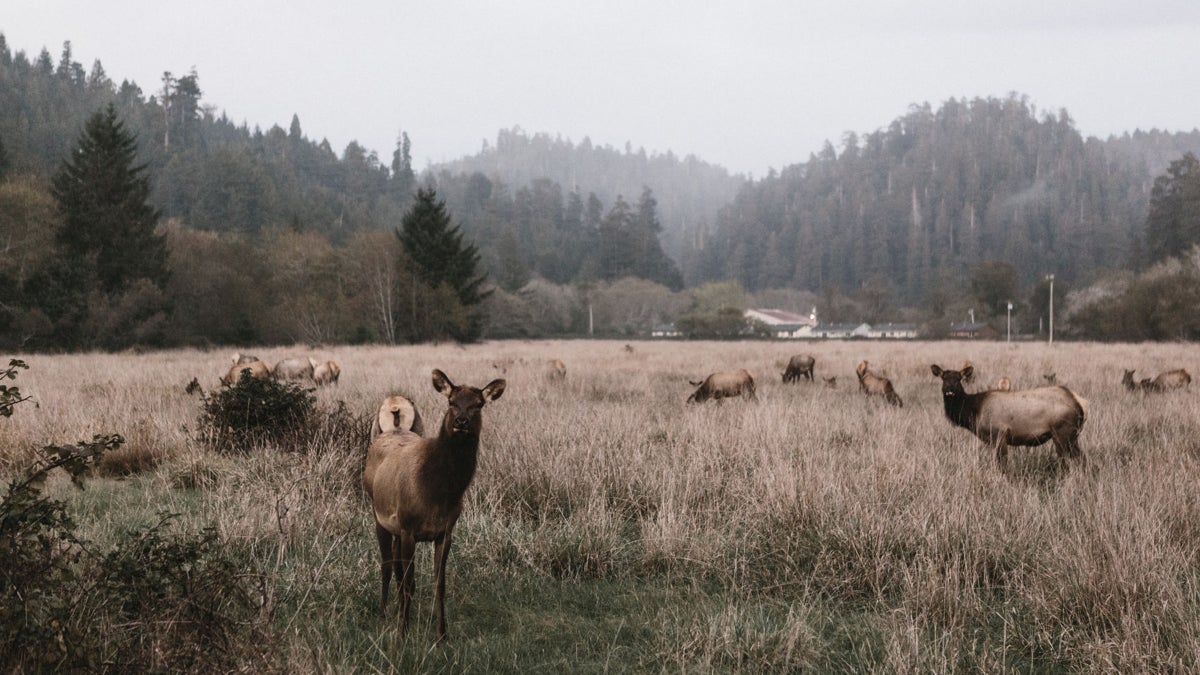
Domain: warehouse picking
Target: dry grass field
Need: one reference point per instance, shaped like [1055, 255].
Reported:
[611, 527]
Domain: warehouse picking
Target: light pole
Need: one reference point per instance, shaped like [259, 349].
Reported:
[1050, 278]
[1009, 321]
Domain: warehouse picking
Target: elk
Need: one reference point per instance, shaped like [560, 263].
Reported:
[294, 368]
[325, 373]
[724, 384]
[830, 382]
[1003, 384]
[874, 385]
[556, 370]
[416, 488]
[1029, 417]
[258, 369]
[800, 365]
[396, 413]
[240, 358]
[1166, 381]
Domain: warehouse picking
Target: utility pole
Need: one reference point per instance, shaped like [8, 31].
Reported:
[1050, 278]
[1009, 321]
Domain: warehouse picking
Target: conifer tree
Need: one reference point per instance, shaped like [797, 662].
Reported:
[1173, 222]
[108, 225]
[440, 257]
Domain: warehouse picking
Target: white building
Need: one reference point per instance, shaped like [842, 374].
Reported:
[786, 325]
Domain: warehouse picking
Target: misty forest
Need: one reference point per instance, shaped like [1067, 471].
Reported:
[150, 217]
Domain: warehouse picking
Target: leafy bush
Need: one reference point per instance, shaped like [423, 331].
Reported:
[176, 601]
[10, 396]
[41, 579]
[256, 411]
[158, 601]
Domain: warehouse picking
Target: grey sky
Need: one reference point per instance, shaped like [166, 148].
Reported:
[747, 85]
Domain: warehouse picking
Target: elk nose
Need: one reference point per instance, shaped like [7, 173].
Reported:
[461, 422]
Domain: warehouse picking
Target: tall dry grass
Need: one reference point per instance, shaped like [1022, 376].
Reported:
[814, 529]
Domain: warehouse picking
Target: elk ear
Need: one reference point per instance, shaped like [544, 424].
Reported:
[937, 370]
[968, 372]
[442, 383]
[494, 390]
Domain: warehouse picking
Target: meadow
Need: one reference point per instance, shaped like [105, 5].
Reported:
[611, 527]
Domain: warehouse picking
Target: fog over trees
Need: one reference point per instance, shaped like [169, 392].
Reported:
[272, 236]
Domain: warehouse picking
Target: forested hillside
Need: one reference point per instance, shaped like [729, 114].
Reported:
[689, 190]
[922, 202]
[273, 236]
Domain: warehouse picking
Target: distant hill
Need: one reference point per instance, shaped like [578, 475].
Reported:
[936, 192]
[689, 190]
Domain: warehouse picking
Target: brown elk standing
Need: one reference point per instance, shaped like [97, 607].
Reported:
[1171, 379]
[724, 384]
[874, 385]
[1029, 417]
[800, 365]
[556, 370]
[416, 487]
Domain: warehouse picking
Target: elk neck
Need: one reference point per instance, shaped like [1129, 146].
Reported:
[962, 408]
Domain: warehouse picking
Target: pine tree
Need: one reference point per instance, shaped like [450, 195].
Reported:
[108, 223]
[1173, 222]
[441, 258]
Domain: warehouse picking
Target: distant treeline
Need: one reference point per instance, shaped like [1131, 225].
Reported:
[943, 211]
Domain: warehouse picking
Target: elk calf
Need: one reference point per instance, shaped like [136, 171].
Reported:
[1028, 417]
[874, 385]
[416, 487]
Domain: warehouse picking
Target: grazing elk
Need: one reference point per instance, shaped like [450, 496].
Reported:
[240, 358]
[294, 368]
[257, 369]
[1171, 379]
[800, 365]
[874, 385]
[416, 487]
[325, 373]
[724, 384]
[1029, 417]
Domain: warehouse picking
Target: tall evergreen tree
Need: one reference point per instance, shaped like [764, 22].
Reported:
[441, 258]
[1173, 222]
[104, 195]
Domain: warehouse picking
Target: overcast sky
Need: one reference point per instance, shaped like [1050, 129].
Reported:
[748, 85]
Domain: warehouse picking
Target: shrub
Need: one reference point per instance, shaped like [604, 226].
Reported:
[10, 396]
[256, 411]
[41, 578]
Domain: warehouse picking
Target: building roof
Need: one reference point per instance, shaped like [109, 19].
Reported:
[779, 316]
[969, 327]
